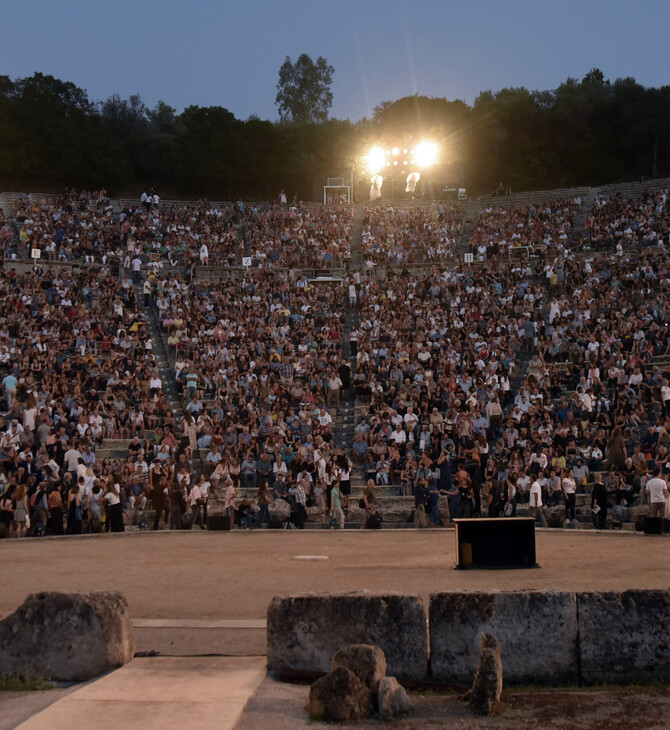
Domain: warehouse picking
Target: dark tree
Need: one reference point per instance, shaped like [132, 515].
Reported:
[303, 91]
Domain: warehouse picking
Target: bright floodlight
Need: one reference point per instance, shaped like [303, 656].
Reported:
[375, 159]
[395, 151]
[426, 154]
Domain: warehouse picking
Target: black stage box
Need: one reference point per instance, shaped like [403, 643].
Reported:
[653, 525]
[218, 522]
[502, 542]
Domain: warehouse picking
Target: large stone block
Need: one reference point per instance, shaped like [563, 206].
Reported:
[306, 631]
[537, 634]
[67, 636]
[623, 636]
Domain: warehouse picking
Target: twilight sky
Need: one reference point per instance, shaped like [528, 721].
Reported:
[219, 52]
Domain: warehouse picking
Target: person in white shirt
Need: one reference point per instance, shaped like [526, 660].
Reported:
[569, 491]
[194, 503]
[536, 506]
[657, 490]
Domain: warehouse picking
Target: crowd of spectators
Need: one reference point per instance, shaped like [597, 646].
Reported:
[84, 227]
[615, 222]
[542, 227]
[409, 235]
[76, 365]
[493, 384]
[437, 354]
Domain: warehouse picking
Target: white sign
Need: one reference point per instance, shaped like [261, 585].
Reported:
[468, 258]
[246, 261]
[36, 253]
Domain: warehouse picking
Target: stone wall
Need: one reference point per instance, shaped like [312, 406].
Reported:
[550, 637]
[306, 631]
[537, 634]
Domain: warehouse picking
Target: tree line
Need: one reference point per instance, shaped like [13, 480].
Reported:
[585, 132]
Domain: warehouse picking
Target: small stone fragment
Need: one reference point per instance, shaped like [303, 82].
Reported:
[392, 699]
[339, 696]
[488, 684]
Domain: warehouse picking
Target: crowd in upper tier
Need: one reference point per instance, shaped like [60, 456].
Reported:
[411, 235]
[540, 227]
[84, 226]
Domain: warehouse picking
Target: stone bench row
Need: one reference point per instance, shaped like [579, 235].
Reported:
[553, 637]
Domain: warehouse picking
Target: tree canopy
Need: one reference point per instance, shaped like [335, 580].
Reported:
[585, 132]
[303, 90]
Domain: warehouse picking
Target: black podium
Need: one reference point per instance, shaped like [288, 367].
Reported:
[503, 542]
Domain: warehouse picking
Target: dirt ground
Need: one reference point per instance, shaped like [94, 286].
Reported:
[281, 707]
[234, 575]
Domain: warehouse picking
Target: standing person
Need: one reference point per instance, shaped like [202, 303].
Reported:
[264, 502]
[616, 449]
[160, 497]
[420, 494]
[569, 490]
[369, 501]
[536, 507]
[55, 505]
[344, 464]
[599, 503]
[74, 510]
[20, 517]
[336, 508]
[194, 503]
[657, 491]
[113, 500]
[229, 501]
[177, 506]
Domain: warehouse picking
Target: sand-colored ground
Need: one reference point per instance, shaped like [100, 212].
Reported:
[231, 575]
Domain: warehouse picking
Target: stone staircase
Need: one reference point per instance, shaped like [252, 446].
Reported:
[161, 355]
[470, 214]
[356, 237]
[582, 215]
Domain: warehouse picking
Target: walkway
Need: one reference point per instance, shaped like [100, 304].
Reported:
[159, 692]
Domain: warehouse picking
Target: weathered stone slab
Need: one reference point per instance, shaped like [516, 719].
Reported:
[623, 636]
[306, 631]
[67, 636]
[537, 634]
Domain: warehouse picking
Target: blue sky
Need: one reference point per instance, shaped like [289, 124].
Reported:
[222, 53]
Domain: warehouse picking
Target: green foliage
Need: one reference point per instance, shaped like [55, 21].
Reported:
[303, 91]
[22, 682]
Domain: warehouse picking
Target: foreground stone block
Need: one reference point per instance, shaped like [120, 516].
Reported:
[537, 634]
[367, 662]
[339, 696]
[306, 631]
[623, 636]
[488, 684]
[67, 636]
[392, 699]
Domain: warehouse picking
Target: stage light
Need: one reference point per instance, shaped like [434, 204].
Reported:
[395, 151]
[388, 153]
[426, 154]
[395, 162]
[404, 162]
[375, 159]
[404, 152]
[388, 164]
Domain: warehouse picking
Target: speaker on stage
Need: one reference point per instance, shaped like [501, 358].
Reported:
[219, 522]
[653, 525]
[504, 542]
